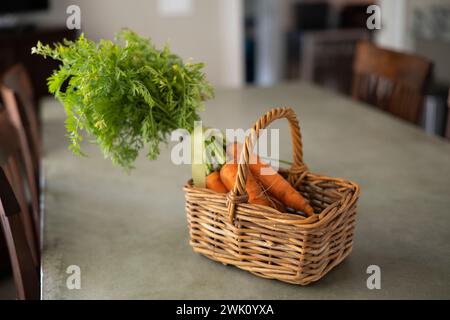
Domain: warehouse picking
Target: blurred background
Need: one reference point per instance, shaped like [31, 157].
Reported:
[247, 42]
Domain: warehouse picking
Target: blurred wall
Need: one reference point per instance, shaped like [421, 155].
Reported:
[393, 25]
[437, 47]
[269, 54]
[397, 33]
[210, 31]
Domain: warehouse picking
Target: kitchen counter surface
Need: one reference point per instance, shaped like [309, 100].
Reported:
[128, 233]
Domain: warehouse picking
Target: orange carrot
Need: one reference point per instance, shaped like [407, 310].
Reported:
[213, 182]
[255, 193]
[280, 188]
[277, 186]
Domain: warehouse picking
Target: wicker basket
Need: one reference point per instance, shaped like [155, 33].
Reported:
[269, 243]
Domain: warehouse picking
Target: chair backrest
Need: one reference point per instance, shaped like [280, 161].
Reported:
[17, 96]
[328, 55]
[17, 80]
[15, 219]
[390, 80]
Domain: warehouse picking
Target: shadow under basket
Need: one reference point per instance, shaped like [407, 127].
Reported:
[269, 243]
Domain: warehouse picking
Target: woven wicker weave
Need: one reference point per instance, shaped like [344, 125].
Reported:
[264, 241]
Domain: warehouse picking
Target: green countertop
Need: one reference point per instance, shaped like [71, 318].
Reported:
[128, 232]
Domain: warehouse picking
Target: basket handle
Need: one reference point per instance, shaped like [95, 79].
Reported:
[239, 193]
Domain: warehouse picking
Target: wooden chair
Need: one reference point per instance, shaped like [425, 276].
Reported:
[16, 79]
[390, 80]
[17, 96]
[4, 256]
[5, 266]
[15, 218]
[447, 129]
[327, 57]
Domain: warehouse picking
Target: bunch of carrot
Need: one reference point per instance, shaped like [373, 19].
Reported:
[259, 186]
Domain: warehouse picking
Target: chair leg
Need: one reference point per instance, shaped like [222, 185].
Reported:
[12, 172]
[26, 276]
[5, 264]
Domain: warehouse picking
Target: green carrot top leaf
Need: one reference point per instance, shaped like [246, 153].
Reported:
[127, 94]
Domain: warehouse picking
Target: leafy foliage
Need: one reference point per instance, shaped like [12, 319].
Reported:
[127, 94]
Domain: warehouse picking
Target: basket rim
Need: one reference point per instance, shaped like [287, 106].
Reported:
[274, 215]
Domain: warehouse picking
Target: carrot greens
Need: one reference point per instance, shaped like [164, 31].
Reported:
[127, 94]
